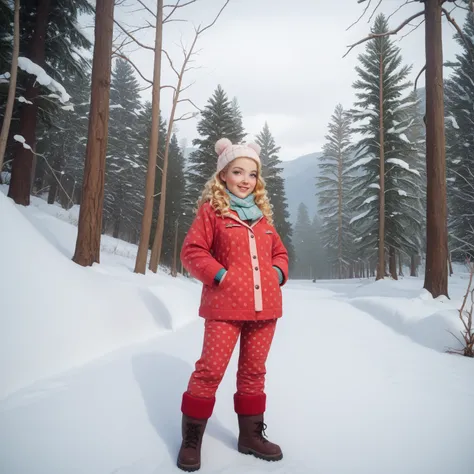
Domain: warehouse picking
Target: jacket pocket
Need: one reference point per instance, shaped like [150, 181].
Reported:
[225, 280]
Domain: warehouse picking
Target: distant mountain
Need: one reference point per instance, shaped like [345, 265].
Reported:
[300, 183]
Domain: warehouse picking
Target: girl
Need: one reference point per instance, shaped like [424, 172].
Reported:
[234, 250]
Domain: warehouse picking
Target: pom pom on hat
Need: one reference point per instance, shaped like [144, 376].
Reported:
[256, 147]
[222, 145]
[228, 152]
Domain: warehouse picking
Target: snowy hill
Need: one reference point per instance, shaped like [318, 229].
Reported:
[93, 362]
[300, 183]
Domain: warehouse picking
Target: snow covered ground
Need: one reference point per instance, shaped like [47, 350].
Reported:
[93, 362]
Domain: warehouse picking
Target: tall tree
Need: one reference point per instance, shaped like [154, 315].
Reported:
[49, 38]
[460, 146]
[12, 85]
[436, 268]
[174, 228]
[218, 121]
[87, 249]
[153, 144]
[125, 175]
[275, 185]
[303, 239]
[384, 151]
[333, 190]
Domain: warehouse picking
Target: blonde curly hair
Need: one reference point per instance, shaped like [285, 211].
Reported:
[215, 193]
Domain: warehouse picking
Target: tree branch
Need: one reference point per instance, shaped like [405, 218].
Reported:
[147, 9]
[135, 67]
[400, 7]
[460, 32]
[373, 13]
[191, 102]
[175, 7]
[381, 35]
[171, 62]
[419, 75]
[360, 18]
[133, 38]
[199, 31]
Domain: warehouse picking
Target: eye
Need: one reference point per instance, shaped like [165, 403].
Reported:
[236, 172]
[253, 175]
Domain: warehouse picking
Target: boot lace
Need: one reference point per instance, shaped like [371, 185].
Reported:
[193, 433]
[260, 431]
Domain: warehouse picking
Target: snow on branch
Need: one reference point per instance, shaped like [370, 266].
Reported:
[43, 78]
[360, 216]
[403, 164]
[381, 35]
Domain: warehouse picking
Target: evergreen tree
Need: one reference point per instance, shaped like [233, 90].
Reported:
[319, 255]
[62, 146]
[275, 185]
[125, 170]
[174, 203]
[237, 115]
[333, 190]
[303, 239]
[50, 37]
[218, 121]
[381, 65]
[460, 146]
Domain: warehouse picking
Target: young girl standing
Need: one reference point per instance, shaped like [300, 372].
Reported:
[234, 250]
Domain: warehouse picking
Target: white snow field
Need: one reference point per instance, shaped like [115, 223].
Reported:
[93, 363]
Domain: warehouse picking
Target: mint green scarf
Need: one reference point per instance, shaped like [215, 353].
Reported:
[246, 208]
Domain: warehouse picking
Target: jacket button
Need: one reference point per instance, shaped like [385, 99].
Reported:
[252, 236]
[254, 256]
[257, 287]
[256, 268]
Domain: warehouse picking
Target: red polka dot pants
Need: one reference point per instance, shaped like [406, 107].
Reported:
[220, 338]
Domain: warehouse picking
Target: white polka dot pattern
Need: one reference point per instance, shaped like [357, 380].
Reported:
[220, 338]
[250, 290]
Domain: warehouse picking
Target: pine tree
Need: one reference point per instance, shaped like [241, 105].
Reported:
[237, 115]
[125, 170]
[62, 145]
[275, 185]
[460, 146]
[174, 203]
[50, 38]
[333, 190]
[303, 239]
[384, 151]
[218, 121]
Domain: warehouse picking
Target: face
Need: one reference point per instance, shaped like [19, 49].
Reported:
[240, 177]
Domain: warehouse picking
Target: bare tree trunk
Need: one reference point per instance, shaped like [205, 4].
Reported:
[450, 262]
[393, 263]
[22, 167]
[413, 266]
[11, 87]
[381, 264]
[400, 264]
[436, 272]
[90, 215]
[55, 176]
[140, 263]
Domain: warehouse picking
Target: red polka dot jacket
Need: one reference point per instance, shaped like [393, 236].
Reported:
[250, 289]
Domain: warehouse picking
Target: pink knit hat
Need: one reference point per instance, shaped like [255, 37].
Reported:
[228, 152]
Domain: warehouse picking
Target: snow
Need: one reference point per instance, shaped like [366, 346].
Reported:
[453, 121]
[23, 100]
[21, 139]
[361, 162]
[360, 216]
[4, 78]
[370, 199]
[403, 164]
[43, 78]
[401, 192]
[94, 362]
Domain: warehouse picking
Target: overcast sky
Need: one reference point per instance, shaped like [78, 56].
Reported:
[282, 60]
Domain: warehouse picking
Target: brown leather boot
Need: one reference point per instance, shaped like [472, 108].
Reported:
[189, 457]
[252, 439]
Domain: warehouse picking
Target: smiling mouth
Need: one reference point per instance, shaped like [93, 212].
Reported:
[243, 189]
